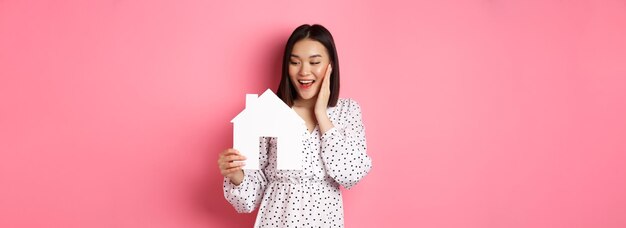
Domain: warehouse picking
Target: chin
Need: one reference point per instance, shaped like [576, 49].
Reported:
[306, 96]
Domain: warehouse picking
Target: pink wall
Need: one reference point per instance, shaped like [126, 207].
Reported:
[478, 113]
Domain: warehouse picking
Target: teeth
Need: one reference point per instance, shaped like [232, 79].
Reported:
[306, 81]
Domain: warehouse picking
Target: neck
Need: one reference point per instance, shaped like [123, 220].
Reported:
[308, 104]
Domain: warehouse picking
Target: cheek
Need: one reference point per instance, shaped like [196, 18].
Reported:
[319, 71]
[294, 78]
[293, 72]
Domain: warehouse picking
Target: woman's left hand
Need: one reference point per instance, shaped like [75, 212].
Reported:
[322, 97]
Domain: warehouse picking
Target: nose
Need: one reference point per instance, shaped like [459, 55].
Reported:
[305, 70]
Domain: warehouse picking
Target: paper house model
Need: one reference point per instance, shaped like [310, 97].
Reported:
[268, 116]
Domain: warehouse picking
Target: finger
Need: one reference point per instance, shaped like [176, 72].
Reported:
[231, 158]
[224, 165]
[235, 164]
[232, 170]
[226, 168]
[329, 69]
[227, 172]
[230, 153]
[221, 160]
[326, 84]
[229, 150]
[235, 158]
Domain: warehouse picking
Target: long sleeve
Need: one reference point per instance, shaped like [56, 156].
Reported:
[247, 196]
[344, 148]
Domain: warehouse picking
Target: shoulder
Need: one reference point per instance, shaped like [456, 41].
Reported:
[348, 105]
[347, 112]
[344, 102]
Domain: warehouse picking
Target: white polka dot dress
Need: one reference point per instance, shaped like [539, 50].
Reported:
[308, 197]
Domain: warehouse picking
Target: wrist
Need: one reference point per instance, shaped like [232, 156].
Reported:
[236, 178]
[324, 123]
[321, 114]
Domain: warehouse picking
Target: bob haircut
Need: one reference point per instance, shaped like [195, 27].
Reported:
[286, 90]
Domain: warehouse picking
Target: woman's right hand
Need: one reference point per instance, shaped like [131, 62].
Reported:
[231, 164]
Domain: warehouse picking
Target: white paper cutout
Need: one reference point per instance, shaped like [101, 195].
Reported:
[269, 116]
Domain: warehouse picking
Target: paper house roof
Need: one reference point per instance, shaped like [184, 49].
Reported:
[268, 116]
[265, 107]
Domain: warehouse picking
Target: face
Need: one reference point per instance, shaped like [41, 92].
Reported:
[307, 67]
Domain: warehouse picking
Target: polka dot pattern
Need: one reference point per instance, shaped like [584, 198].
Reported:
[310, 197]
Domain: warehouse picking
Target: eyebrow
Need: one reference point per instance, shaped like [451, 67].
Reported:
[312, 56]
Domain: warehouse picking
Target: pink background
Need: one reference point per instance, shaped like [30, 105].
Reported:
[479, 113]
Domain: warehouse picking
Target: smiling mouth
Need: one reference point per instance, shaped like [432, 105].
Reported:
[306, 83]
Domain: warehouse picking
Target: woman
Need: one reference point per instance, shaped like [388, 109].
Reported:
[334, 151]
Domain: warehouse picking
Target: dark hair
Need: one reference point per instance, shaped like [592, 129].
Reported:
[316, 32]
